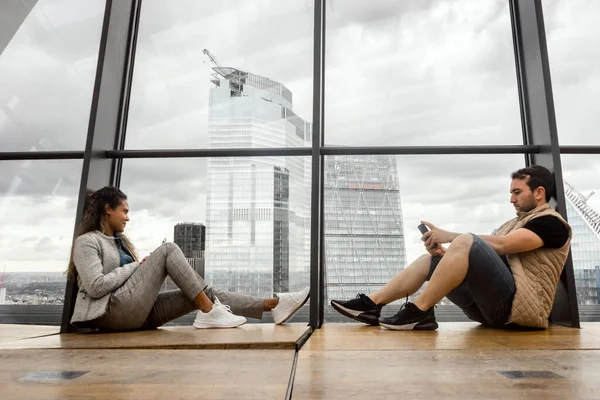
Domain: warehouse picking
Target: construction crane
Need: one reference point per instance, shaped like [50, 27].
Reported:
[218, 68]
[212, 58]
[236, 77]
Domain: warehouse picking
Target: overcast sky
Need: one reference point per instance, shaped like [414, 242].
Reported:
[397, 73]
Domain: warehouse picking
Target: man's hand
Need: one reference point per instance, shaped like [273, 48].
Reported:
[436, 235]
[438, 250]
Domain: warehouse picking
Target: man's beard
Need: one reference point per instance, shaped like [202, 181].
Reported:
[530, 205]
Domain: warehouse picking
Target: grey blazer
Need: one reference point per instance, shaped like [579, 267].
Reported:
[97, 260]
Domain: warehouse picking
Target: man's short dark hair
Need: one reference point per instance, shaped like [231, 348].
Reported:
[538, 176]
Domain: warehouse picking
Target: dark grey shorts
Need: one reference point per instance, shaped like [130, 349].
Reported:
[487, 293]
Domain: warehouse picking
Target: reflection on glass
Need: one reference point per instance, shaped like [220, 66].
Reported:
[241, 66]
[572, 33]
[420, 73]
[253, 215]
[38, 201]
[47, 72]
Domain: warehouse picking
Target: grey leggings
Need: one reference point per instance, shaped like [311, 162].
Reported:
[139, 305]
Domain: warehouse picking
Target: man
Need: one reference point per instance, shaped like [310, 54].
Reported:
[509, 277]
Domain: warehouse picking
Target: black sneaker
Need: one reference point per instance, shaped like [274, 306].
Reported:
[410, 318]
[360, 308]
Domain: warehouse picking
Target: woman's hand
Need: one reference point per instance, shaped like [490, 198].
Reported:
[145, 258]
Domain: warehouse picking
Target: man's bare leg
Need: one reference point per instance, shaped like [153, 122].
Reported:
[450, 273]
[405, 283]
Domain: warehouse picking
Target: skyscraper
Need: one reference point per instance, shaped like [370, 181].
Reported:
[364, 236]
[190, 237]
[585, 245]
[258, 208]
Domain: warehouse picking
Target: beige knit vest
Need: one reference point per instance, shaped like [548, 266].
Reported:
[536, 272]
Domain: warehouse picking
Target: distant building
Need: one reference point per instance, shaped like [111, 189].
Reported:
[191, 239]
[257, 208]
[585, 245]
[364, 235]
[2, 295]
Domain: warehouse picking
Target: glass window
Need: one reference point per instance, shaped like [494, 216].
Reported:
[572, 33]
[252, 216]
[47, 73]
[582, 187]
[394, 195]
[420, 73]
[38, 201]
[210, 74]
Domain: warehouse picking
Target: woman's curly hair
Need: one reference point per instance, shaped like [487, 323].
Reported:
[93, 217]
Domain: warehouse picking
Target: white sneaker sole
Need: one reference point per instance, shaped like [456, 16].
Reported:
[424, 325]
[212, 325]
[407, 327]
[355, 314]
[350, 311]
[292, 310]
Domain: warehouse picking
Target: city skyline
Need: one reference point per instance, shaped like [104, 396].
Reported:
[584, 220]
[450, 61]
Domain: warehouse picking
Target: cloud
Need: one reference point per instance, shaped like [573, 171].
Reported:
[444, 74]
[397, 73]
[36, 232]
[47, 76]
[572, 32]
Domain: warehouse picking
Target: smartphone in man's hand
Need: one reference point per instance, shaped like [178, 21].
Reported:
[424, 229]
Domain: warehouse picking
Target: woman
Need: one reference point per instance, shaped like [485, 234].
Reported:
[118, 292]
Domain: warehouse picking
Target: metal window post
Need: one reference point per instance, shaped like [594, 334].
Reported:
[539, 127]
[317, 287]
[106, 128]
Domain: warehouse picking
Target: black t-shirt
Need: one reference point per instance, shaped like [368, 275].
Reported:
[550, 229]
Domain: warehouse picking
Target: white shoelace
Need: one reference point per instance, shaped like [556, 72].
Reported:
[220, 306]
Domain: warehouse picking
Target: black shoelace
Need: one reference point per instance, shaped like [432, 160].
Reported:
[361, 296]
[405, 303]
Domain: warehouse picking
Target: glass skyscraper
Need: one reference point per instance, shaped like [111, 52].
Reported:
[258, 208]
[364, 236]
[585, 245]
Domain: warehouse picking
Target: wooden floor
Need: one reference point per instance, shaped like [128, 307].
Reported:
[452, 336]
[249, 336]
[458, 361]
[146, 374]
[9, 333]
[339, 361]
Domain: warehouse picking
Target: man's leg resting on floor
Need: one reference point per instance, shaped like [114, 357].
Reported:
[406, 283]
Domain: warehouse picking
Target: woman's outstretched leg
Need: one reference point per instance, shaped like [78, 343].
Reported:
[132, 303]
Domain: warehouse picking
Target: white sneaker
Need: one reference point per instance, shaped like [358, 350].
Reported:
[220, 316]
[289, 303]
